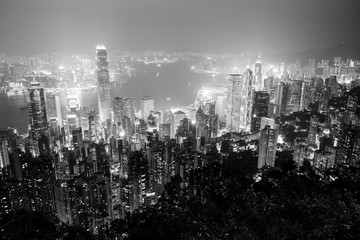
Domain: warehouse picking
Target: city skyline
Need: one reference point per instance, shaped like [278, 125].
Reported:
[186, 144]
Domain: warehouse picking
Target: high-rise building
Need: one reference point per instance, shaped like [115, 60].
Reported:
[239, 102]
[260, 109]
[267, 147]
[123, 107]
[58, 109]
[281, 98]
[258, 81]
[147, 105]
[37, 111]
[119, 109]
[103, 82]
[4, 154]
[220, 106]
[92, 125]
[295, 97]
[178, 116]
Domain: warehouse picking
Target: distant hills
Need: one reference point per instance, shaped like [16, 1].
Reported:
[344, 50]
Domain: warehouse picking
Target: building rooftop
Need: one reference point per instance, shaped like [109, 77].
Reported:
[100, 47]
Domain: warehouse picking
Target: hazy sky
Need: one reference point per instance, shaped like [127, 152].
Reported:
[269, 26]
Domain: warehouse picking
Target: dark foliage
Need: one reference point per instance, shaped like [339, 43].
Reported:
[28, 225]
[283, 203]
[215, 202]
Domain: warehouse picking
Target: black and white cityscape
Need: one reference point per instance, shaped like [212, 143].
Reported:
[166, 119]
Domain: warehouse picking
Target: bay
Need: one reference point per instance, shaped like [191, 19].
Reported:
[171, 85]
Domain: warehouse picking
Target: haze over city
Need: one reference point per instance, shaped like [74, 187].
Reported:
[230, 26]
[186, 119]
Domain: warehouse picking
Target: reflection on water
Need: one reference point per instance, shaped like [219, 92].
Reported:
[11, 112]
[171, 85]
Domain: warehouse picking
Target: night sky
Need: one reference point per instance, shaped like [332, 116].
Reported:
[226, 26]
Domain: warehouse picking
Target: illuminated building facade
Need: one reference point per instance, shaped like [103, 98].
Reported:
[281, 98]
[38, 118]
[103, 83]
[178, 116]
[295, 97]
[164, 132]
[259, 109]
[147, 106]
[220, 105]
[258, 81]
[239, 102]
[267, 147]
[4, 154]
[123, 107]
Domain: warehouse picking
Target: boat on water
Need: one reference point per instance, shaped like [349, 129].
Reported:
[23, 107]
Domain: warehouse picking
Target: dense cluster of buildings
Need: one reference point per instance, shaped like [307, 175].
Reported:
[88, 167]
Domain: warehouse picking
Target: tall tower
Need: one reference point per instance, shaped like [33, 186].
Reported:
[119, 109]
[267, 147]
[39, 128]
[259, 109]
[147, 105]
[239, 102]
[37, 111]
[102, 68]
[258, 81]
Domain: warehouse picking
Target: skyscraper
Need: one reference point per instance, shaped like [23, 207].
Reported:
[281, 98]
[259, 109]
[37, 111]
[147, 105]
[239, 102]
[267, 147]
[258, 81]
[123, 107]
[103, 82]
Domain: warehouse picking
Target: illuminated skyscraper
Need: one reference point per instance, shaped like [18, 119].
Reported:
[258, 81]
[4, 154]
[220, 105]
[239, 102]
[37, 111]
[281, 98]
[147, 105]
[267, 147]
[123, 107]
[178, 116]
[259, 109]
[119, 109]
[103, 82]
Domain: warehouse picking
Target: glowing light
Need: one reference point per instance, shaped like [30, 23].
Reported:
[326, 131]
[100, 47]
[205, 92]
[122, 133]
[280, 139]
[168, 98]
[61, 67]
